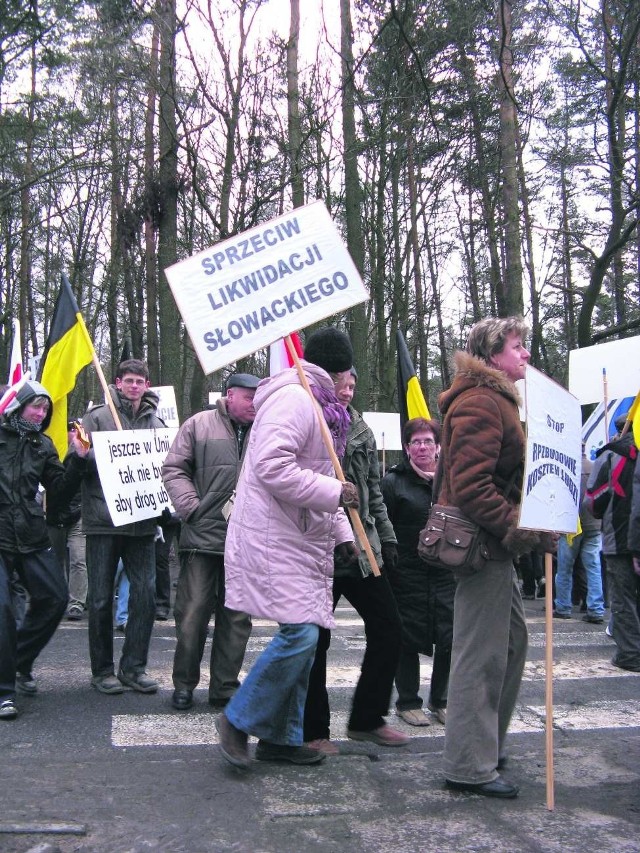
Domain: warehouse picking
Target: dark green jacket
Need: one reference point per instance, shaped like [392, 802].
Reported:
[361, 467]
[95, 513]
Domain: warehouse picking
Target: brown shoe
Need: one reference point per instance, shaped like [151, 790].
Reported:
[323, 745]
[233, 743]
[383, 736]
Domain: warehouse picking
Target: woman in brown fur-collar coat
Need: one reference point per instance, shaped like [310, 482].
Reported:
[483, 462]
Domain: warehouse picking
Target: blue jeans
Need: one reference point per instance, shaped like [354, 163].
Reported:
[122, 587]
[269, 703]
[138, 558]
[588, 546]
[43, 578]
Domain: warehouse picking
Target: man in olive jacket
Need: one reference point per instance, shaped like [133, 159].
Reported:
[200, 474]
[136, 407]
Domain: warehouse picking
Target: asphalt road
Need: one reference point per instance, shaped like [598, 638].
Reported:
[86, 772]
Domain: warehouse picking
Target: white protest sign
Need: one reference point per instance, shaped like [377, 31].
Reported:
[167, 406]
[620, 361]
[553, 462]
[129, 465]
[246, 292]
[386, 428]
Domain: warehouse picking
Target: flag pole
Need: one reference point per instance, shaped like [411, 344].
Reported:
[605, 395]
[328, 442]
[101, 376]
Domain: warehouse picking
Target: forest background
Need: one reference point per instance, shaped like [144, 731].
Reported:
[479, 158]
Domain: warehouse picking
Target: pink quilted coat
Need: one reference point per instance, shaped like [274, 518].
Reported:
[286, 520]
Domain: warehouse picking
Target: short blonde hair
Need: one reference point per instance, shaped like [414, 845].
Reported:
[487, 338]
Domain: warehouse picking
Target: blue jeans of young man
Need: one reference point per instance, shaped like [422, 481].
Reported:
[269, 703]
[138, 558]
[587, 545]
[43, 578]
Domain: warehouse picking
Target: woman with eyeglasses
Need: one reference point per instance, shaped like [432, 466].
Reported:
[424, 594]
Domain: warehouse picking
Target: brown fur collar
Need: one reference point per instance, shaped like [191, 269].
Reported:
[472, 372]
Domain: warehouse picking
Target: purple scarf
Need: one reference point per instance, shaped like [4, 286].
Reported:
[336, 416]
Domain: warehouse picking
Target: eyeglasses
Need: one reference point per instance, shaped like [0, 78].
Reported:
[422, 442]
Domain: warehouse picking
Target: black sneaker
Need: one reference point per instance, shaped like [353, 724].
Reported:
[8, 710]
[593, 618]
[559, 614]
[266, 751]
[26, 683]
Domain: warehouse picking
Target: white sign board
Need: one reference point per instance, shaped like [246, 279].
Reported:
[248, 291]
[386, 428]
[620, 361]
[167, 407]
[553, 461]
[130, 465]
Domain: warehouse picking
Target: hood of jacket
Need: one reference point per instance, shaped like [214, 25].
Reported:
[473, 372]
[29, 391]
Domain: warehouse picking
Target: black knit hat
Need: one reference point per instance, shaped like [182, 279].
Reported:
[330, 349]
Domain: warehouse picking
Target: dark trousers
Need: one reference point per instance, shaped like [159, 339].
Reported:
[373, 599]
[624, 592]
[163, 573]
[199, 595]
[408, 679]
[139, 561]
[43, 578]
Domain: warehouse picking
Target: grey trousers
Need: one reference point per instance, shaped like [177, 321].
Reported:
[487, 661]
[200, 594]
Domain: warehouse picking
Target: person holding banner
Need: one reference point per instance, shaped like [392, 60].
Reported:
[285, 525]
[200, 474]
[28, 458]
[136, 408]
[482, 461]
[371, 596]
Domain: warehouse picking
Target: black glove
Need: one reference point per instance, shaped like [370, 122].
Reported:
[165, 517]
[345, 554]
[389, 556]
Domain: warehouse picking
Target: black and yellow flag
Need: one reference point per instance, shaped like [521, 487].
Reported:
[411, 400]
[68, 350]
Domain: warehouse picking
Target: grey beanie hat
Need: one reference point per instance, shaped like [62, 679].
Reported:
[330, 349]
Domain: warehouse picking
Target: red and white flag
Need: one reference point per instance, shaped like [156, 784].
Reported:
[279, 357]
[15, 364]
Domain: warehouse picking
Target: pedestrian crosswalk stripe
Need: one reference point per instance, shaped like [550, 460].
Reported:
[195, 729]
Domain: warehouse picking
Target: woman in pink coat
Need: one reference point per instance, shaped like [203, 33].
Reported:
[279, 553]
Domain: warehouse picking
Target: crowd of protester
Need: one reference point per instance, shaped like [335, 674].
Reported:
[273, 489]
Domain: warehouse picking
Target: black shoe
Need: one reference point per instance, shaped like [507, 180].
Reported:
[219, 704]
[162, 614]
[266, 751]
[139, 681]
[631, 667]
[558, 614]
[498, 787]
[593, 618]
[182, 699]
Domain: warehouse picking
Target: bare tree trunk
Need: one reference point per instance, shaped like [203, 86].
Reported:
[293, 103]
[149, 224]
[509, 296]
[169, 319]
[353, 206]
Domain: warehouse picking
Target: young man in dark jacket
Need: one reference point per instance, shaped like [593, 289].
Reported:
[134, 543]
[28, 458]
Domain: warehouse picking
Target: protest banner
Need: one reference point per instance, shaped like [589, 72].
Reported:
[246, 292]
[553, 460]
[130, 465]
[167, 406]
